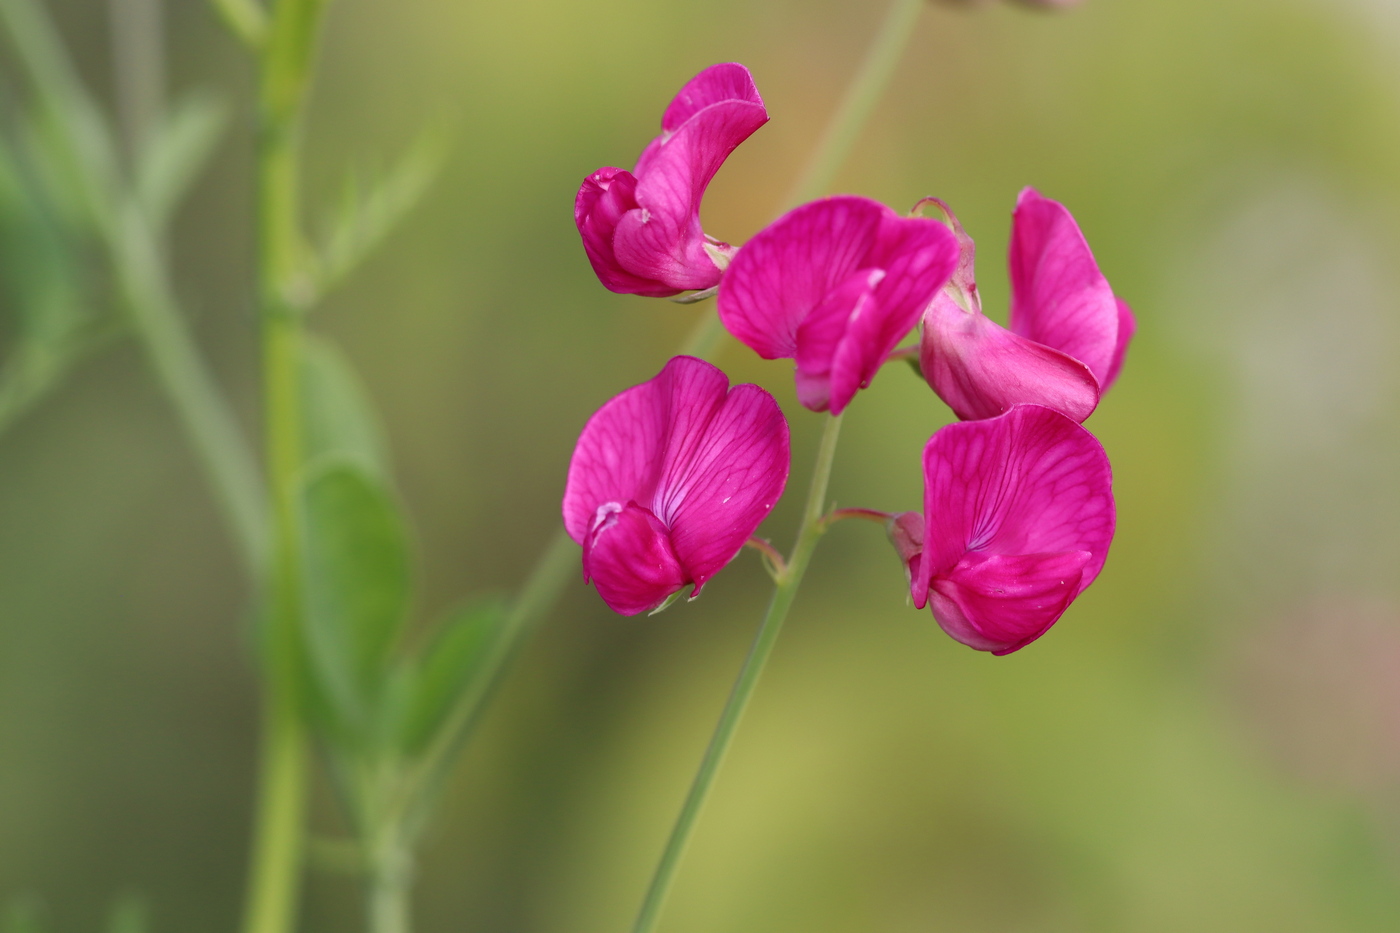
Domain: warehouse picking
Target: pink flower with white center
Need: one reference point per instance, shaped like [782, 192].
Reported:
[668, 481]
[835, 285]
[641, 229]
[1018, 518]
[1068, 332]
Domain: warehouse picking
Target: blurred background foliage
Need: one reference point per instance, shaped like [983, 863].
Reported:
[1209, 740]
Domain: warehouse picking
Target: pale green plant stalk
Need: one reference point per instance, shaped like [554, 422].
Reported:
[788, 580]
[560, 558]
[284, 59]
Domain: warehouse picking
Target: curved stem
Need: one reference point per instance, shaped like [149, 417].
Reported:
[860, 98]
[560, 558]
[783, 595]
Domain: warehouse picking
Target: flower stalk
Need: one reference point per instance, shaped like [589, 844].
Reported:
[789, 580]
[284, 60]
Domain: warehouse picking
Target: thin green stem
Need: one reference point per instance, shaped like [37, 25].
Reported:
[706, 338]
[390, 887]
[285, 60]
[861, 96]
[783, 595]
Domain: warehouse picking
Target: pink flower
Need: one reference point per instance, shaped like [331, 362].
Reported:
[835, 285]
[668, 481]
[1068, 331]
[1018, 517]
[641, 229]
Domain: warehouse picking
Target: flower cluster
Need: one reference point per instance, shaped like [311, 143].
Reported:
[672, 477]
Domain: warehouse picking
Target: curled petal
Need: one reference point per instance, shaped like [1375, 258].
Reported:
[647, 239]
[1001, 603]
[628, 556]
[603, 200]
[1029, 482]
[981, 369]
[835, 284]
[1058, 295]
[790, 267]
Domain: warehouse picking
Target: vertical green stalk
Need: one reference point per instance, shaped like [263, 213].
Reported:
[274, 875]
[864, 91]
[546, 579]
[783, 594]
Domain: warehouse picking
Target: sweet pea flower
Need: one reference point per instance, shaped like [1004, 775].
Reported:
[668, 481]
[835, 285]
[641, 229]
[1068, 332]
[1018, 517]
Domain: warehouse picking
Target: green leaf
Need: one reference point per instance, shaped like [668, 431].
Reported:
[338, 422]
[356, 591]
[369, 210]
[445, 669]
[176, 153]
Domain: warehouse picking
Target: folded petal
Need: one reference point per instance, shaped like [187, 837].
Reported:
[917, 257]
[722, 82]
[647, 239]
[715, 112]
[825, 330]
[628, 556]
[603, 200]
[981, 369]
[906, 533]
[1001, 603]
[1031, 481]
[1058, 296]
[790, 267]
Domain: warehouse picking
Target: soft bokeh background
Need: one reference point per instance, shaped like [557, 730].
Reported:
[1209, 739]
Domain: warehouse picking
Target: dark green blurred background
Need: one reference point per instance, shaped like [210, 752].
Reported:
[1208, 740]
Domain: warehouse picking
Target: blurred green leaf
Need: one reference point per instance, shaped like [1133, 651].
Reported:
[246, 19]
[24, 914]
[356, 592]
[370, 209]
[129, 914]
[447, 666]
[177, 152]
[338, 420]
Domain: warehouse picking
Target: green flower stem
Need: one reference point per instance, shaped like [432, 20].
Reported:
[285, 59]
[864, 91]
[546, 580]
[783, 594]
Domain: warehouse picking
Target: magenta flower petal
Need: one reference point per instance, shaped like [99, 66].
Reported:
[1001, 603]
[645, 238]
[683, 457]
[628, 556]
[1019, 515]
[981, 369]
[1068, 334]
[835, 285]
[1058, 296]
